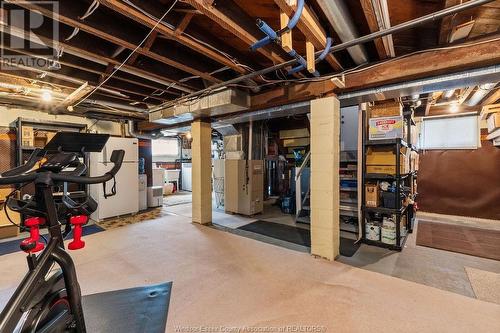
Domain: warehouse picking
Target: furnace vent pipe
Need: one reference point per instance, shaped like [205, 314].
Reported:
[480, 93]
[338, 15]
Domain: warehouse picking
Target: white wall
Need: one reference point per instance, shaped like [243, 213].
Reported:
[9, 115]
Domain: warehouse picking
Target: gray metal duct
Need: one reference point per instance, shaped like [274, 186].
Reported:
[216, 104]
[340, 19]
[448, 93]
[480, 93]
[456, 80]
[134, 134]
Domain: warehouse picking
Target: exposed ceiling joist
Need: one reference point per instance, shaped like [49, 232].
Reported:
[233, 27]
[145, 20]
[83, 53]
[424, 64]
[371, 19]
[92, 28]
[493, 98]
[184, 23]
[97, 72]
[309, 25]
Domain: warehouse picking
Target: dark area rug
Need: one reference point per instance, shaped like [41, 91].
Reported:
[13, 245]
[295, 235]
[462, 239]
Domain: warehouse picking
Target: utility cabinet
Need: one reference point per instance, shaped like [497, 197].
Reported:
[243, 186]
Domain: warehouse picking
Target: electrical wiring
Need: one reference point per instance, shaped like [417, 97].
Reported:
[364, 67]
[20, 227]
[170, 26]
[130, 55]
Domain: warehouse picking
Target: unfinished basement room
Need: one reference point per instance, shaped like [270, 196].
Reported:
[249, 166]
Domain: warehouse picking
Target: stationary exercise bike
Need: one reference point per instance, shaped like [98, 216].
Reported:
[50, 300]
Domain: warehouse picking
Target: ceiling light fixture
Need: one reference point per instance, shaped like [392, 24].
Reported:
[188, 135]
[46, 95]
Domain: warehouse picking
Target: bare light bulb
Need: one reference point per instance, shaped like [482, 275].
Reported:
[188, 135]
[46, 95]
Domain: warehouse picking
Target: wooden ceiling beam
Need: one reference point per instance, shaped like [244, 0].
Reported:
[233, 27]
[147, 46]
[94, 71]
[424, 64]
[145, 20]
[184, 23]
[100, 59]
[309, 25]
[447, 23]
[100, 32]
[371, 19]
[493, 98]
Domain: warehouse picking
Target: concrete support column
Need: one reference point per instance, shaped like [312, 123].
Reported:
[325, 159]
[201, 133]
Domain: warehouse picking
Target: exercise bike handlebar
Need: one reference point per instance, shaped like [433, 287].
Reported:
[116, 158]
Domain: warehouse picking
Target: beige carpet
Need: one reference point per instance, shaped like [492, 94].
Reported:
[486, 285]
[222, 279]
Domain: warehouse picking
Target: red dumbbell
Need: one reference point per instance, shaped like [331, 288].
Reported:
[78, 222]
[32, 243]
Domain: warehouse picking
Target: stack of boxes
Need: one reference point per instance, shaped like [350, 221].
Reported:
[32, 138]
[387, 122]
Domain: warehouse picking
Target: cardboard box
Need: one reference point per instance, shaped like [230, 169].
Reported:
[387, 169]
[50, 135]
[383, 155]
[414, 160]
[29, 142]
[294, 133]
[6, 228]
[27, 132]
[386, 128]
[297, 142]
[372, 195]
[493, 122]
[387, 109]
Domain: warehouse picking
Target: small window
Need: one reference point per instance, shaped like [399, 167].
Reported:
[450, 132]
[165, 147]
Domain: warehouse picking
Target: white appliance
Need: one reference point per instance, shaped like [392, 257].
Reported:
[155, 196]
[143, 192]
[186, 176]
[126, 200]
[158, 177]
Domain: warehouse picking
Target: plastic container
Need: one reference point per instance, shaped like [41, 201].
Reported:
[372, 231]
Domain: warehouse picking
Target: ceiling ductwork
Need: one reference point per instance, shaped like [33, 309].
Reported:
[216, 104]
[339, 17]
[480, 93]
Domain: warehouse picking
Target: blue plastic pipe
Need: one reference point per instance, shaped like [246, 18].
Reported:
[272, 35]
[318, 59]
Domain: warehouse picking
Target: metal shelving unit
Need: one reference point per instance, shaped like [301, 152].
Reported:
[399, 178]
[40, 125]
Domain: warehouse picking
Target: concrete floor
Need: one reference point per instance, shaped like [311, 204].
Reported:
[431, 267]
[221, 279]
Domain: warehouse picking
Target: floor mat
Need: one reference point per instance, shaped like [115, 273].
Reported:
[462, 239]
[13, 245]
[146, 215]
[295, 235]
[486, 285]
[142, 309]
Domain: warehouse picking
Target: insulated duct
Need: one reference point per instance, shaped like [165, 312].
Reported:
[151, 136]
[216, 104]
[469, 78]
[341, 21]
[480, 93]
